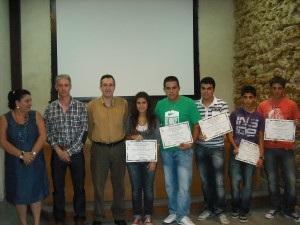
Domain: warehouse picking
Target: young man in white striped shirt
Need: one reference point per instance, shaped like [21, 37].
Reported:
[210, 155]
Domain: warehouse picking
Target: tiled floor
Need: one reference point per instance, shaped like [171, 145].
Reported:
[8, 216]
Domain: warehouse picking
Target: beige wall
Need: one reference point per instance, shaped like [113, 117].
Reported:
[4, 75]
[216, 37]
[36, 51]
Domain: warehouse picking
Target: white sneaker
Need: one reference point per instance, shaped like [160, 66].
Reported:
[223, 219]
[272, 213]
[186, 221]
[170, 219]
[204, 215]
[148, 221]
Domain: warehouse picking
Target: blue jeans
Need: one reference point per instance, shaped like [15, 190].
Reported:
[278, 159]
[240, 172]
[210, 163]
[178, 170]
[141, 181]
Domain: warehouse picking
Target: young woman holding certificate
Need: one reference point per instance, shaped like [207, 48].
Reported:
[142, 124]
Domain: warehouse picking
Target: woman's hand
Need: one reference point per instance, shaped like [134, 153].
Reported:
[151, 166]
[28, 158]
[137, 137]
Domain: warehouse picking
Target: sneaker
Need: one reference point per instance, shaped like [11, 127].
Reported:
[136, 221]
[170, 219]
[272, 213]
[148, 221]
[234, 214]
[223, 219]
[186, 221]
[243, 218]
[293, 216]
[204, 215]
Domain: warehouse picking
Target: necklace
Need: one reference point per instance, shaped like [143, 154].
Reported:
[22, 135]
[170, 109]
[142, 121]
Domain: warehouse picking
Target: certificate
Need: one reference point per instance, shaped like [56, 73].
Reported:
[248, 152]
[176, 134]
[215, 126]
[141, 151]
[280, 130]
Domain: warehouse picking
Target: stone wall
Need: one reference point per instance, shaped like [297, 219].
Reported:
[267, 43]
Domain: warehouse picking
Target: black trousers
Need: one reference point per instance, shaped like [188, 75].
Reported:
[58, 171]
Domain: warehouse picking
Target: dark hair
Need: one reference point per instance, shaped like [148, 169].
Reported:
[208, 80]
[277, 80]
[248, 89]
[16, 95]
[170, 79]
[134, 113]
[107, 76]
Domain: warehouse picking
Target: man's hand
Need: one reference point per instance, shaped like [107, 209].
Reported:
[185, 146]
[260, 163]
[202, 137]
[64, 156]
[236, 151]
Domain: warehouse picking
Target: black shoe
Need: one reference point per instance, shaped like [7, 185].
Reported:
[234, 214]
[79, 222]
[120, 222]
[97, 223]
[292, 215]
[60, 222]
[243, 218]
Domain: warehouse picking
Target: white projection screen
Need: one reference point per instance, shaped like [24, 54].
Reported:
[139, 42]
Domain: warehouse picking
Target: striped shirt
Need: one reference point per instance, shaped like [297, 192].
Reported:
[216, 107]
[67, 129]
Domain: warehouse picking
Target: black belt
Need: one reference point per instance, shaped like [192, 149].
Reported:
[109, 144]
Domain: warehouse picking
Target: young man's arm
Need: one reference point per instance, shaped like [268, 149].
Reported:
[232, 142]
[195, 134]
[260, 161]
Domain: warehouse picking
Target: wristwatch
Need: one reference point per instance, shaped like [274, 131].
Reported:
[21, 156]
[34, 154]
[262, 158]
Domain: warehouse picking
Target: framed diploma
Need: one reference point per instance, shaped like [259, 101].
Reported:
[215, 126]
[141, 151]
[176, 134]
[248, 152]
[280, 130]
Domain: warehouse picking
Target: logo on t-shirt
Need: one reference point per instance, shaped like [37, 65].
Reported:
[246, 126]
[275, 113]
[171, 117]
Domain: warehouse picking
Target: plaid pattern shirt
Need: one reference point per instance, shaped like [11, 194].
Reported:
[67, 129]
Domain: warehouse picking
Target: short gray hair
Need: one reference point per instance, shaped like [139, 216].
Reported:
[63, 76]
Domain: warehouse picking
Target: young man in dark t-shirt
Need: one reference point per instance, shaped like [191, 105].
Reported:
[247, 124]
